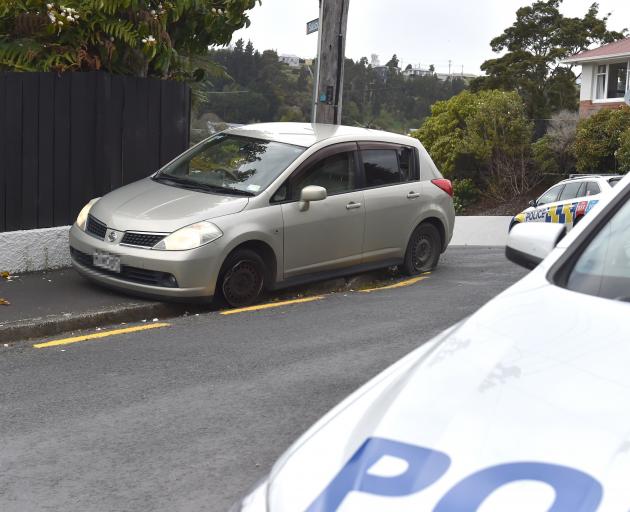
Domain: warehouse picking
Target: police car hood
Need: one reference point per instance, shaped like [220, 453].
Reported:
[539, 375]
[147, 205]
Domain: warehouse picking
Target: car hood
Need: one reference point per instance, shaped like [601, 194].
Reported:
[538, 374]
[147, 205]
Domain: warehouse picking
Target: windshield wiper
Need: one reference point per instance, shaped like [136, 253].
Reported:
[202, 186]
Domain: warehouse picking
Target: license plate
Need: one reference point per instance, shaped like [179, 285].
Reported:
[106, 261]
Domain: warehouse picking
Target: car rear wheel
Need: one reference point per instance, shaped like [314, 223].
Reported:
[243, 278]
[423, 250]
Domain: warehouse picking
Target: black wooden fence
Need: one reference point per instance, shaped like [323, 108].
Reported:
[65, 139]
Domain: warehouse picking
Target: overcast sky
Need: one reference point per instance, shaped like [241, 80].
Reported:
[418, 31]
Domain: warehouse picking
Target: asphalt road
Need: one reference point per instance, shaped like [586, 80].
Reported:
[188, 417]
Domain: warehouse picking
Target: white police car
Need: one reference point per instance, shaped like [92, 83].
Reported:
[524, 406]
[568, 201]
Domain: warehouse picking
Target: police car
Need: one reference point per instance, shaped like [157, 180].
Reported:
[568, 201]
[524, 406]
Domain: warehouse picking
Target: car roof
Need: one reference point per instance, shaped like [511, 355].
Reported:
[306, 134]
[583, 177]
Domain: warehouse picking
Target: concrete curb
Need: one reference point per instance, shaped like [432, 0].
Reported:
[34, 250]
[47, 249]
[31, 328]
[53, 325]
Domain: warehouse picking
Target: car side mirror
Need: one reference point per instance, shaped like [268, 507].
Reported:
[311, 193]
[529, 243]
[533, 203]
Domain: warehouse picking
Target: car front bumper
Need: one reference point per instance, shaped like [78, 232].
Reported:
[147, 272]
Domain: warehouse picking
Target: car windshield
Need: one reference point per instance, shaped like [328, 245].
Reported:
[230, 164]
[603, 269]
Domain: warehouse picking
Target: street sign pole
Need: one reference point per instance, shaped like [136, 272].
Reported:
[327, 96]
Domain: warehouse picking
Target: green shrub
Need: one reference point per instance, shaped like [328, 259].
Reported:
[465, 193]
[601, 141]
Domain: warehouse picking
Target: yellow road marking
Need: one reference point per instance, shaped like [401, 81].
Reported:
[104, 334]
[401, 284]
[271, 305]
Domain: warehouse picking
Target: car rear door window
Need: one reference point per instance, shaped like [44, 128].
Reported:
[550, 196]
[592, 188]
[570, 191]
[335, 173]
[381, 167]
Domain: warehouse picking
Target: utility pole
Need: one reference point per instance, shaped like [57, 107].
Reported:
[327, 97]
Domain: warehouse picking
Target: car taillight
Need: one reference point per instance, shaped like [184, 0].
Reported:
[445, 185]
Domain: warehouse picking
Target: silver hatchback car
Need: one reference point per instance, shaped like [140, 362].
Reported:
[268, 206]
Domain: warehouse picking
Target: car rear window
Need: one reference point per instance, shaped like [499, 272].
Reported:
[613, 181]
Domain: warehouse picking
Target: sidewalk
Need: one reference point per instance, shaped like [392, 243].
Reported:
[47, 303]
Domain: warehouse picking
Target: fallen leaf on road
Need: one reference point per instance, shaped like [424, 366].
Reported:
[4, 275]
[4, 302]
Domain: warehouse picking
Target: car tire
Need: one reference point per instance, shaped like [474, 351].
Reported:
[423, 250]
[242, 278]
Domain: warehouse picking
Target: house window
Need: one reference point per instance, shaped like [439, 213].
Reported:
[600, 92]
[617, 80]
[611, 81]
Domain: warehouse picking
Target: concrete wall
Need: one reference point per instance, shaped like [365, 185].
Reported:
[35, 249]
[46, 249]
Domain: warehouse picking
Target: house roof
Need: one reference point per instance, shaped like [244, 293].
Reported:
[619, 48]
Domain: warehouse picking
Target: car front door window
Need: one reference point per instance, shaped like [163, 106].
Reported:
[603, 269]
[335, 173]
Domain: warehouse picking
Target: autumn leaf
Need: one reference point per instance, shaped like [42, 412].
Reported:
[4, 275]
[4, 302]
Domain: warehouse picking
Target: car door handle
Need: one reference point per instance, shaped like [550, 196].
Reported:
[352, 205]
[413, 195]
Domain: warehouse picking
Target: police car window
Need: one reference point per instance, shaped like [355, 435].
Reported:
[550, 196]
[603, 269]
[613, 181]
[570, 191]
[592, 188]
[582, 191]
[381, 167]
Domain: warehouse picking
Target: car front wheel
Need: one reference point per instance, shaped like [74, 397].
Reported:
[423, 250]
[243, 278]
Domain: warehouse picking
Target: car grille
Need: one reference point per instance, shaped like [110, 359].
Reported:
[96, 227]
[141, 239]
[127, 273]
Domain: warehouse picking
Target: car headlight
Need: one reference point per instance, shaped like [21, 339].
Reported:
[83, 214]
[190, 237]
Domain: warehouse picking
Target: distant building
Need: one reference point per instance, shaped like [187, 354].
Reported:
[417, 72]
[605, 76]
[464, 76]
[292, 60]
[374, 61]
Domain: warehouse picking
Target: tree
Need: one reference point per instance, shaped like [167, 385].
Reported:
[393, 62]
[534, 45]
[554, 153]
[483, 135]
[136, 37]
[601, 143]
